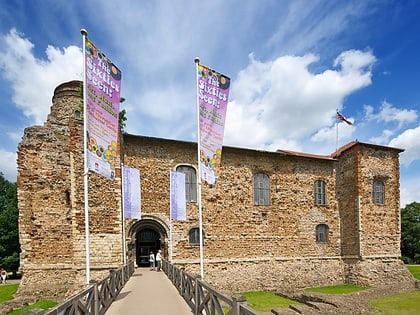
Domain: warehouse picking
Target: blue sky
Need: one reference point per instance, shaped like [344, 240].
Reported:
[291, 64]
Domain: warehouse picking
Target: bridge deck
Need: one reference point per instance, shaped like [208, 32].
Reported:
[149, 292]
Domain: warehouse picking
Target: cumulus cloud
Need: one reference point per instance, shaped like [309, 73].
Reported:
[280, 102]
[408, 140]
[34, 80]
[388, 113]
[8, 165]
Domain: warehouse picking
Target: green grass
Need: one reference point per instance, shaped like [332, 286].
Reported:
[399, 304]
[264, 301]
[415, 270]
[6, 294]
[7, 291]
[337, 289]
[44, 304]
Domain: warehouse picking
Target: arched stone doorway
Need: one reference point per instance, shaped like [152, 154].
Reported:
[148, 234]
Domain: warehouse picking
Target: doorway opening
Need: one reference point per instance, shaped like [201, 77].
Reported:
[147, 240]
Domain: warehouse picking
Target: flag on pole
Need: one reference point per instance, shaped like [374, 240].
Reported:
[178, 209]
[212, 95]
[131, 193]
[102, 90]
[343, 118]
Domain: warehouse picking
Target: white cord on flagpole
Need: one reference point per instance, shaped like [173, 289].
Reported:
[200, 212]
[86, 172]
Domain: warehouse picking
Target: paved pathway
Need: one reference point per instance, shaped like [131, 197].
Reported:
[149, 293]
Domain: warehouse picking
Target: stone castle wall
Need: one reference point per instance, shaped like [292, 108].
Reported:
[274, 245]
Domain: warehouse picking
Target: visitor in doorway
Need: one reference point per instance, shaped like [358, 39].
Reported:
[152, 261]
[3, 275]
[159, 260]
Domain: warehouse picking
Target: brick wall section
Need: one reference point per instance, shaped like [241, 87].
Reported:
[273, 245]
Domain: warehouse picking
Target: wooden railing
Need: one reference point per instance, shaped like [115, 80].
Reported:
[202, 298]
[97, 297]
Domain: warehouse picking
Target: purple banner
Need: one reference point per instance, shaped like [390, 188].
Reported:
[102, 90]
[213, 94]
[177, 201]
[131, 193]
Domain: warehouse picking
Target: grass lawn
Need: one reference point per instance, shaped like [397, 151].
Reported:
[337, 289]
[415, 270]
[6, 294]
[264, 301]
[7, 291]
[399, 304]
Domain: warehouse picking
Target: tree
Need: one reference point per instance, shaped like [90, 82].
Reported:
[9, 236]
[410, 233]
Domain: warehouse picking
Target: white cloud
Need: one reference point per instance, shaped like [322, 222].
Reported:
[8, 165]
[33, 80]
[281, 102]
[408, 140]
[388, 113]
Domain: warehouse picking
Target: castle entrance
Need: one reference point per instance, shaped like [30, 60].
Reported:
[147, 240]
[147, 235]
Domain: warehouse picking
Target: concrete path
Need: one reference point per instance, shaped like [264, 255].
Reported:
[149, 292]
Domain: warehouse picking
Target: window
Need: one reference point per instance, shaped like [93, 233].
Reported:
[320, 193]
[378, 192]
[194, 236]
[261, 189]
[190, 182]
[322, 233]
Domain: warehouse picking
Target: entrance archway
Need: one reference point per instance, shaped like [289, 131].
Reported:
[148, 234]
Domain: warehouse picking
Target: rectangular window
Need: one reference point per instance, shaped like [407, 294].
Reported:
[261, 189]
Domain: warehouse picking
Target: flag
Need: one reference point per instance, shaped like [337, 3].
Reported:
[102, 94]
[212, 98]
[178, 209]
[131, 193]
[343, 118]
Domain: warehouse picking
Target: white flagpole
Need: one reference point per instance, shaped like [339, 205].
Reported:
[170, 216]
[123, 214]
[86, 170]
[336, 130]
[200, 214]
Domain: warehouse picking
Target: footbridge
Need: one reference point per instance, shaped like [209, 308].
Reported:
[139, 291]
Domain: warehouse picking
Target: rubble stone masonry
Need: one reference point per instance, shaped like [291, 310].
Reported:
[246, 246]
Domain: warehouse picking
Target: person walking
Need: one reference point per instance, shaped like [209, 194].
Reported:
[152, 260]
[159, 260]
[3, 275]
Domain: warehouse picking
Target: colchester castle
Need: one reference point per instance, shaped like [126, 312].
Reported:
[283, 219]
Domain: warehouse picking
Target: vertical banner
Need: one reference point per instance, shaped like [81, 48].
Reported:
[177, 201]
[213, 93]
[102, 90]
[131, 193]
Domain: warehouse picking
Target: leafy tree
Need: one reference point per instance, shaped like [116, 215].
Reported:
[410, 232]
[9, 237]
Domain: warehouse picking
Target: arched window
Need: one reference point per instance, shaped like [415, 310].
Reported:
[190, 182]
[378, 192]
[194, 236]
[321, 233]
[261, 189]
[320, 193]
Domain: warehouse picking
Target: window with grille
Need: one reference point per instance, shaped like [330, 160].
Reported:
[378, 192]
[194, 236]
[190, 182]
[261, 189]
[320, 193]
[322, 233]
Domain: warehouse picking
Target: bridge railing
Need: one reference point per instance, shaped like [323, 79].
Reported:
[202, 298]
[97, 297]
